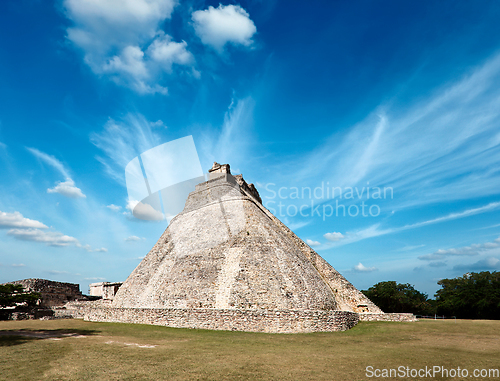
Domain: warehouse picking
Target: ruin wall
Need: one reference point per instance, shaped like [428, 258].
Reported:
[53, 293]
[269, 321]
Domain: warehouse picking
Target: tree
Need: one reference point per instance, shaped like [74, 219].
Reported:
[397, 297]
[14, 294]
[471, 296]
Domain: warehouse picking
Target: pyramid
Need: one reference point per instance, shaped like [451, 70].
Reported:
[226, 262]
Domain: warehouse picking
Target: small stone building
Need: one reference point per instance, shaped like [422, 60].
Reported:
[106, 290]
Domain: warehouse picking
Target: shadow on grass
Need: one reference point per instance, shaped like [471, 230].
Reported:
[21, 336]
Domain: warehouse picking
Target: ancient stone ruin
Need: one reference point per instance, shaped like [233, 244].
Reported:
[52, 293]
[227, 263]
[53, 296]
[104, 290]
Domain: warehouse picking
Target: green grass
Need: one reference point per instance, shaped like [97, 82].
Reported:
[78, 350]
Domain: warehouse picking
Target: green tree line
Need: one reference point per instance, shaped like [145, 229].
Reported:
[470, 296]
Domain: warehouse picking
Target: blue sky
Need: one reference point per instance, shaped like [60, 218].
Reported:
[329, 94]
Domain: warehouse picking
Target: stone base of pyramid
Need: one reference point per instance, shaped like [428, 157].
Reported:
[270, 321]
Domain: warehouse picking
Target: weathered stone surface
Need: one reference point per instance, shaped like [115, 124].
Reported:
[53, 293]
[223, 252]
[227, 263]
[271, 321]
[105, 290]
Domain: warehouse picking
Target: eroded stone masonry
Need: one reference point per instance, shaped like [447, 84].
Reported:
[227, 263]
[52, 293]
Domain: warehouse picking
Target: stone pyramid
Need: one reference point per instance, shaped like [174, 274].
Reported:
[226, 262]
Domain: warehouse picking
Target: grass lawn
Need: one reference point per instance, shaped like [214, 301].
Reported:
[78, 350]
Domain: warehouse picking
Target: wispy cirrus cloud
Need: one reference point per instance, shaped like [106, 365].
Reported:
[297, 225]
[376, 230]
[51, 161]
[410, 248]
[231, 143]
[66, 188]
[471, 250]
[444, 147]
[123, 140]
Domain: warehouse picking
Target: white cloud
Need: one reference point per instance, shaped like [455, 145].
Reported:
[132, 238]
[90, 250]
[144, 211]
[167, 52]
[312, 243]
[18, 265]
[101, 25]
[122, 39]
[50, 160]
[114, 208]
[3, 145]
[335, 236]
[67, 188]
[217, 27]
[361, 268]
[129, 62]
[471, 250]
[51, 238]
[25, 229]
[57, 272]
[16, 220]
[490, 263]
[158, 123]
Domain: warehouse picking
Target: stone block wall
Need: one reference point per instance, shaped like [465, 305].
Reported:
[53, 293]
[270, 321]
